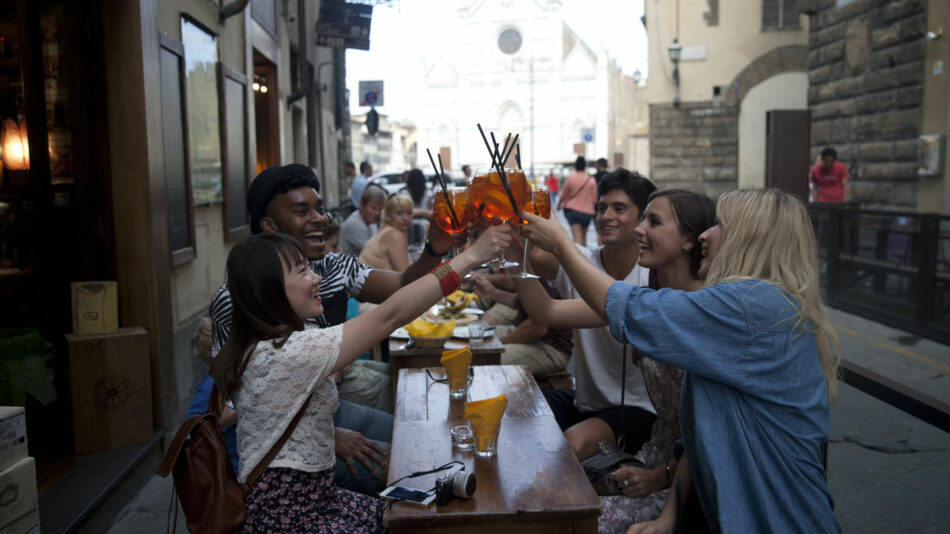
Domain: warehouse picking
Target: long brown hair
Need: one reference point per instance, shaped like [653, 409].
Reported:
[255, 273]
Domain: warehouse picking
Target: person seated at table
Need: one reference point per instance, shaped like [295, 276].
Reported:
[389, 247]
[332, 237]
[497, 312]
[760, 354]
[287, 199]
[286, 366]
[591, 412]
[669, 246]
[360, 226]
[542, 349]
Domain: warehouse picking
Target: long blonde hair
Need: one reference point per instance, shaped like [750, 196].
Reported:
[767, 235]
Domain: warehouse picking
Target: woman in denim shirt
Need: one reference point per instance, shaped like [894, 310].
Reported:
[760, 356]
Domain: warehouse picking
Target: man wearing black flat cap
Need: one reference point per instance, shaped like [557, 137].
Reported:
[287, 199]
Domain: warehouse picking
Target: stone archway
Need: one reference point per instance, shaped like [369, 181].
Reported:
[790, 58]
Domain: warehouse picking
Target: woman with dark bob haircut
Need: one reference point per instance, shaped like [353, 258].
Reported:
[274, 291]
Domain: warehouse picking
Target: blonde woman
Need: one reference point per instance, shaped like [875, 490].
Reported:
[389, 247]
[760, 356]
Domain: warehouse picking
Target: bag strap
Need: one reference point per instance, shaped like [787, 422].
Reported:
[272, 453]
[623, 390]
[579, 189]
[171, 456]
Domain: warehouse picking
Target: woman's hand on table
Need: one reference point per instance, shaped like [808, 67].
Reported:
[657, 526]
[353, 446]
[640, 482]
[546, 234]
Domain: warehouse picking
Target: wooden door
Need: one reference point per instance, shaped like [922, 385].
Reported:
[787, 143]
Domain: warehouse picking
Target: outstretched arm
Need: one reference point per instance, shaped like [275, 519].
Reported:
[590, 282]
[380, 284]
[365, 330]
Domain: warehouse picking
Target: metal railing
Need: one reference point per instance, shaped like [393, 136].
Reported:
[890, 267]
[893, 268]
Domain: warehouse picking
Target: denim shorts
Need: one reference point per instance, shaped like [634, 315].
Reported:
[576, 217]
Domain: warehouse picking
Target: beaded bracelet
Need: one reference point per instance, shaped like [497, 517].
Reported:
[449, 280]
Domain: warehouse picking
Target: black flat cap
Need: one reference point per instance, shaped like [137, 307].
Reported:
[275, 180]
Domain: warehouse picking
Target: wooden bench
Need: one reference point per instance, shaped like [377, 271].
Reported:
[533, 485]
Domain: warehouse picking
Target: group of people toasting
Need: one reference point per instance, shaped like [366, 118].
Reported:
[730, 355]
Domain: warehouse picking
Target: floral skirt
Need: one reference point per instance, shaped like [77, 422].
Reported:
[288, 500]
[620, 512]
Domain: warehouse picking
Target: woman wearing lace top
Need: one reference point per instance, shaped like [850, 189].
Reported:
[274, 291]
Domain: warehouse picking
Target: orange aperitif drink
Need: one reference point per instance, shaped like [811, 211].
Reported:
[462, 205]
[540, 203]
[488, 190]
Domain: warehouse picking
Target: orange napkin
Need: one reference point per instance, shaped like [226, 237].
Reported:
[457, 359]
[486, 411]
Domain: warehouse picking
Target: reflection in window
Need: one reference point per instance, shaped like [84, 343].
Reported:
[201, 55]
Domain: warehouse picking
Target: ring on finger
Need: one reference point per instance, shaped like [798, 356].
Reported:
[624, 483]
[350, 462]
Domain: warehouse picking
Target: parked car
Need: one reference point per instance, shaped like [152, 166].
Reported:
[390, 180]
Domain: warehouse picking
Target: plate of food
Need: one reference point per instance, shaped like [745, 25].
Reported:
[441, 315]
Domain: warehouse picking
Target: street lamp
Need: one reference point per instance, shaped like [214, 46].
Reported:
[675, 50]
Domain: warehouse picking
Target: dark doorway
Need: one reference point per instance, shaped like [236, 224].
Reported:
[787, 141]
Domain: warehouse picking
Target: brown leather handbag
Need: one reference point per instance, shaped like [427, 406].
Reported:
[209, 493]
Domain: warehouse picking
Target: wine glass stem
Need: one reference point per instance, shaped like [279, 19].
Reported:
[524, 264]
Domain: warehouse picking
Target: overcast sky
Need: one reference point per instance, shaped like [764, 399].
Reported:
[402, 36]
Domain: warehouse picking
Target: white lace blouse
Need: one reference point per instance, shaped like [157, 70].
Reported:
[274, 387]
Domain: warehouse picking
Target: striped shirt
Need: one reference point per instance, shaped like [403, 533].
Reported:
[342, 276]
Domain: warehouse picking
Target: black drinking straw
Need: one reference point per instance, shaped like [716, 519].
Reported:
[518, 156]
[438, 172]
[499, 166]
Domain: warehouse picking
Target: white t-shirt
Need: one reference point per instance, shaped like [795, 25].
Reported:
[597, 355]
[274, 387]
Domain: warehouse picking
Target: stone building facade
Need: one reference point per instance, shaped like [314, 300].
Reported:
[694, 146]
[866, 71]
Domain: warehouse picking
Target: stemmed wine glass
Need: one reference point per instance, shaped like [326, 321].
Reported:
[539, 204]
[456, 220]
[492, 203]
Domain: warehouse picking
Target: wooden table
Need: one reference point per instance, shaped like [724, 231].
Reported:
[413, 358]
[533, 485]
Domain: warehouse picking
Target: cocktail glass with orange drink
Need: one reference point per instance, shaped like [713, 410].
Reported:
[539, 203]
[453, 221]
[492, 202]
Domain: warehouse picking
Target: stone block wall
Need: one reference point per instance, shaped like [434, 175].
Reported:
[866, 71]
[694, 146]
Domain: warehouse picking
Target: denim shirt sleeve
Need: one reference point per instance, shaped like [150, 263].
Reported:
[702, 332]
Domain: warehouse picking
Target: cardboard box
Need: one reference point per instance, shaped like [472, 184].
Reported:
[111, 389]
[12, 435]
[95, 307]
[28, 524]
[18, 489]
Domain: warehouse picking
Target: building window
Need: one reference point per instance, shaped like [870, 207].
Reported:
[204, 126]
[780, 15]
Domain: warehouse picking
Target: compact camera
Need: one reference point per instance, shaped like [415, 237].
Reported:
[461, 484]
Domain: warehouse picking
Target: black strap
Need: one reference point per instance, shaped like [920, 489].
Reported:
[575, 193]
[623, 390]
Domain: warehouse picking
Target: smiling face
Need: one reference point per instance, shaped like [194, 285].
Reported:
[710, 240]
[298, 213]
[301, 285]
[661, 242]
[617, 218]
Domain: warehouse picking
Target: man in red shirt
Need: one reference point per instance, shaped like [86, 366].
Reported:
[829, 178]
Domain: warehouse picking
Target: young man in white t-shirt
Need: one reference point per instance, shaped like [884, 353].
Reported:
[591, 411]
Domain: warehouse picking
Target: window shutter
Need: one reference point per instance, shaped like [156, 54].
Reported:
[770, 12]
[790, 18]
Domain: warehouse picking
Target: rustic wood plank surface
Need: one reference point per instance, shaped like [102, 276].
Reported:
[487, 354]
[533, 484]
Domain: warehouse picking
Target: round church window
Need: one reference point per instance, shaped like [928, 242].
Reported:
[509, 41]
